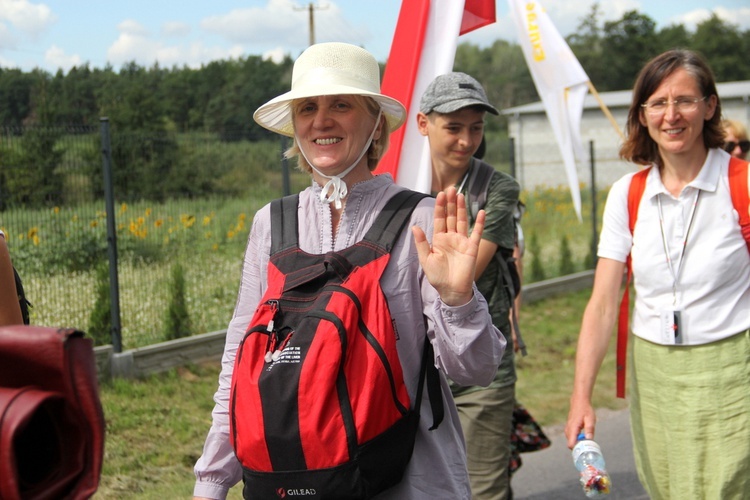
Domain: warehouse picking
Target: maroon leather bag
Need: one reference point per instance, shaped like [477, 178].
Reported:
[51, 419]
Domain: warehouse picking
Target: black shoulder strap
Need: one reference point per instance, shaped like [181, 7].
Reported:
[22, 301]
[479, 184]
[391, 221]
[284, 232]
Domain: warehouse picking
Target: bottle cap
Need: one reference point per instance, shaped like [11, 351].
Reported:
[581, 437]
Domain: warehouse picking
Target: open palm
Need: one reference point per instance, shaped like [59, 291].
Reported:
[450, 262]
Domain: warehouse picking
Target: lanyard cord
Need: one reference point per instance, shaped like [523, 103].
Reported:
[676, 273]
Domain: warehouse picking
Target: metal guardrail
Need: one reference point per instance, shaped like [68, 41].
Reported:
[161, 357]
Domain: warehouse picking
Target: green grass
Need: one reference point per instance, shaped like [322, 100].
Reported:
[156, 426]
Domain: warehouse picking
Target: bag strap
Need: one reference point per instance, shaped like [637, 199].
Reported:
[635, 193]
[479, 185]
[22, 300]
[284, 232]
[389, 223]
[477, 189]
[738, 189]
[384, 231]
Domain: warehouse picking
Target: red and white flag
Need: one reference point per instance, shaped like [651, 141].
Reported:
[423, 47]
[560, 81]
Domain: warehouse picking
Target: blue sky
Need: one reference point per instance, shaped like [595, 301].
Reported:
[54, 34]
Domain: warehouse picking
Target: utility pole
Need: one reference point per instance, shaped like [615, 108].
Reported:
[311, 8]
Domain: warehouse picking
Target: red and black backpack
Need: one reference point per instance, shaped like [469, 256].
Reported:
[318, 404]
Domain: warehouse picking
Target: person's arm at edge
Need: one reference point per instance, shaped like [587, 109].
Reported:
[517, 301]
[10, 309]
[596, 330]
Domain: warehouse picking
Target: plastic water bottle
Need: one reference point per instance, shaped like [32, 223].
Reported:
[588, 458]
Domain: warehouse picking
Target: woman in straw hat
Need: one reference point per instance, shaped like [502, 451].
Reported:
[340, 123]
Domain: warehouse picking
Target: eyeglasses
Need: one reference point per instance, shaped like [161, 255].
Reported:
[744, 146]
[681, 104]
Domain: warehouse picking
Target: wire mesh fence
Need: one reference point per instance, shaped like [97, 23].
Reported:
[179, 202]
[180, 210]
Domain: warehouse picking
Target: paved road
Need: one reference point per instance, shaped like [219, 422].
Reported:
[550, 474]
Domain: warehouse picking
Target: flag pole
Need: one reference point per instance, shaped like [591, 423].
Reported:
[605, 109]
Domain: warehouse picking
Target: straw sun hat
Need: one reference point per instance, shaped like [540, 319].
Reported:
[330, 69]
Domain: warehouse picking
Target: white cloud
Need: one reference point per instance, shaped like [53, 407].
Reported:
[132, 27]
[7, 40]
[739, 17]
[261, 28]
[55, 57]
[135, 43]
[175, 29]
[28, 18]
[276, 55]
[277, 20]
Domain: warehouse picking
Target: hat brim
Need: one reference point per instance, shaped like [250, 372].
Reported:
[276, 114]
[450, 107]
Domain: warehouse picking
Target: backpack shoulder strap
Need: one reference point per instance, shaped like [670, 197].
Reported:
[738, 189]
[284, 232]
[388, 225]
[479, 184]
[635, 193]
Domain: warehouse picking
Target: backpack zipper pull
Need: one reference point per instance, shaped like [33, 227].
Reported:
[273, 337]
[274, 308]
[277, 353]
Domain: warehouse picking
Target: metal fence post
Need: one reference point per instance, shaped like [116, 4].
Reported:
[594, 235]
[512, 158]
[114, 285]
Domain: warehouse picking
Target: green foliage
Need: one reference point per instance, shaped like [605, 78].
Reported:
[177, 323]
[30, 172]
[220, 97]
[100, 320]
[719, 41]
[566, 258]
[15, 96]
[537, 269]
[633, 38]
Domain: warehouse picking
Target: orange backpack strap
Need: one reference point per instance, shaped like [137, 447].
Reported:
[635, 193]
[738, 188]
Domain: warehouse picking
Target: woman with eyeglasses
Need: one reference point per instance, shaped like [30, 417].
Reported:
[735, 140]
[689, 365]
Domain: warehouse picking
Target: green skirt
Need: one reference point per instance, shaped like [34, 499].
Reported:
[690, 417]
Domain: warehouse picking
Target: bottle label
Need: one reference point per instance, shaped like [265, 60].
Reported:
[585, 447]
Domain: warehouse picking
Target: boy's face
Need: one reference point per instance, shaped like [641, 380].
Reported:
[454, 137]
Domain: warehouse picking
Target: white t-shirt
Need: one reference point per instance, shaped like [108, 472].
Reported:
[713, 279]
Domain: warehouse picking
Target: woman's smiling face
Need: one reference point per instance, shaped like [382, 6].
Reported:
[675, 130]
[332, 131]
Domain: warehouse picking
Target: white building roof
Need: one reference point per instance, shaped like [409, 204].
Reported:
[621, 98]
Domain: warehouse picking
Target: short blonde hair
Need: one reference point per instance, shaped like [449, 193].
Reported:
[737, 128]
[376, 150]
